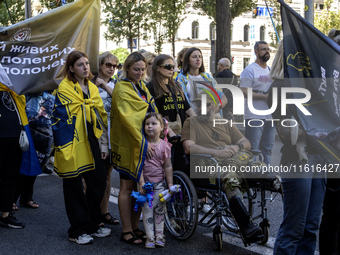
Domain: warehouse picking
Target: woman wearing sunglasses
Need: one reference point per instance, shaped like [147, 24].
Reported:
[165, 90]
[193, 70]
[170, 100]
[107, 66]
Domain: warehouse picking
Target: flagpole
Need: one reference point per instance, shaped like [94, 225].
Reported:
[28, 9]
[309, 11]
[277, 35]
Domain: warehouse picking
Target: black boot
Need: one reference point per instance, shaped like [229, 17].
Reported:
[248, 229]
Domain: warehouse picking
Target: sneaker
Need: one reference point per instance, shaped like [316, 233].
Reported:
[160, 241]
[11, 222]
[206, 208]
[51, 160]
[101, 232]
[251, 230]
[150, 243]
[83, 239]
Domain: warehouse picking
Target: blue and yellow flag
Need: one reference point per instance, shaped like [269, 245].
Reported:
[128, 143]
[73, 154]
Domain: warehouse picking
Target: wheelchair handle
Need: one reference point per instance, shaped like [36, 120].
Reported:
[174, 139]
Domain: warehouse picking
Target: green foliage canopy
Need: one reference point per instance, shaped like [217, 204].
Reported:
[17, 11]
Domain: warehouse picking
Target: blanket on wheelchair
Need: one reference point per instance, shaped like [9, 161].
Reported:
[128, 143]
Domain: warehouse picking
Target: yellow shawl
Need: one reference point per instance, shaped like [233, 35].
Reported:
[73, 154]
[128, 143]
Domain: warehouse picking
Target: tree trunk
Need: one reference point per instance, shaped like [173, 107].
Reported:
[223, 31]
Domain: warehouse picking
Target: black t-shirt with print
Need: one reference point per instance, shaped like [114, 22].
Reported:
[9, 119]
[167, 107]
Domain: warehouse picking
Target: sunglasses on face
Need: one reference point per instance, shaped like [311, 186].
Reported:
[168, 67]
[109, 65]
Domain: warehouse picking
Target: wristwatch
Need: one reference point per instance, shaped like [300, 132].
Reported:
[240, 145]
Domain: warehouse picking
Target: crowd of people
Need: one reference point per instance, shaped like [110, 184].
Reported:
[123, 121]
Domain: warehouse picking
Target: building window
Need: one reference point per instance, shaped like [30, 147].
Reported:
[212, 31]
[195, 30]
[246, 33]
[262, 33]
[245, 62]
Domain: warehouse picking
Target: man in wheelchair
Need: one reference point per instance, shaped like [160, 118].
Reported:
[227, 145]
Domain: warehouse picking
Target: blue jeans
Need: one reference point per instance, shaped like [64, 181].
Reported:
[302, 207]
[261, 138]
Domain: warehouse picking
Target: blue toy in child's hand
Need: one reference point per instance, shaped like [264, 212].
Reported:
[141, 199]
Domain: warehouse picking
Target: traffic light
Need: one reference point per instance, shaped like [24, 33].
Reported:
[254, 14]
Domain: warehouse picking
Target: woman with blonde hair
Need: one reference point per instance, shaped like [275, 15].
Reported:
[131, 101]
[107, 66]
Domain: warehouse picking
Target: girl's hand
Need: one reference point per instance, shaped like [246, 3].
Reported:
[141, 190]
[104, 155]
[149, 152]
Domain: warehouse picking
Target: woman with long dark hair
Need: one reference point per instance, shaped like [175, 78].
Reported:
[193, 70]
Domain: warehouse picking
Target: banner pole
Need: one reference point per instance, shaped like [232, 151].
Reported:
[277, 35]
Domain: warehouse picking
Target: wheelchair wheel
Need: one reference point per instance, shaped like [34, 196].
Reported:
[181, 215]
[227, 218]
[265, 230]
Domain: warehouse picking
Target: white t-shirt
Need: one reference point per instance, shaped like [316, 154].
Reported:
[190, 85]
[106, 97]
[258, 78]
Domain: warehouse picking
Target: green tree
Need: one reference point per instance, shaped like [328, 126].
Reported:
[120, 53]
[277, 21]
[125, 19]
[17, 11]
[237, 7]
[51, 4]
[223, 12]
[175, 14]
[327, 19]
[156, 24]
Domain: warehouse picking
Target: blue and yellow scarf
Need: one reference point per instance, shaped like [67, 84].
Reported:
[73, 154]
[128, 143]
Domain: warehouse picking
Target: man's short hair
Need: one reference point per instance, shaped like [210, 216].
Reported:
[224, 62]
[257, 44]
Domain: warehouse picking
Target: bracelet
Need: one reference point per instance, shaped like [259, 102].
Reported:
[240, 145]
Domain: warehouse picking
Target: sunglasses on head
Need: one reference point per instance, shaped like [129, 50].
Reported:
[168, 67]
[109, 65]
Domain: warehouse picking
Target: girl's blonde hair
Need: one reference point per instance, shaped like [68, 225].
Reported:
[276, 72]
[158, 117]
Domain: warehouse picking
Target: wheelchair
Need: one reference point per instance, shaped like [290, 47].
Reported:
[182, 214]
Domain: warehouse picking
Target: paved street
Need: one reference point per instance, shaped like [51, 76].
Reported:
[46, 229]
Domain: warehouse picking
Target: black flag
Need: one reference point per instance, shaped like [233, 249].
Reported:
[312, 62]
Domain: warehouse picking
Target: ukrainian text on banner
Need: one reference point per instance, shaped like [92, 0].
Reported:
[312, 61]
[33, 52]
